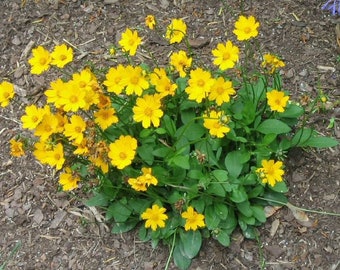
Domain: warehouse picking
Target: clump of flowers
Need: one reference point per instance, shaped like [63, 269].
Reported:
[182, 150]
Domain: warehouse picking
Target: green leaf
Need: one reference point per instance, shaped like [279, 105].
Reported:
[220, 175]
[223, 238]
[146, 153]
[124, 227]
[280, 187]
[250, 232]
[244, 208]
[193, 131]
[238, 194]
[187, 115]
[234, 162]
[119, 211]
[145, 133]
[99, 199]
[211, 219]
[216, 189]
[256, 191]
[273, 126]
[292, 111]
[258, 213]
[247, 220]
[181, 161]
[162, 151]
[275, 198]
[191, 242]
[195, 174]
[301, 136]
[221, 210]
[181, 261]
[169, 125]
[160, 131]
[320, 142]
[181, 83]
[268, 138]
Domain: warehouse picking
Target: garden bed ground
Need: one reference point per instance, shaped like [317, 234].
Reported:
[46, 229]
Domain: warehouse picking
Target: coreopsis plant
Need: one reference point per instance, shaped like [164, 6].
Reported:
[181, 151]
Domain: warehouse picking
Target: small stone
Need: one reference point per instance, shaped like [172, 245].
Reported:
[16, 41]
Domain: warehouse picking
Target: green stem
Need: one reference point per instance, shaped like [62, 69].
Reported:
[171, 251]
[300, 208]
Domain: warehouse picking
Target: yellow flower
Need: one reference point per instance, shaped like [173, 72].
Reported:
[82, 148]
[61, 55]
[162, 83]
[226, 55]
[150, 21]
[176, 31]
[6, 93]
[53, 94]
[100, 163]
[193, 219]
[277, 100]
[55, 157]
[148, 178]
[246, 28]
[68, 180]
[142, 182]
[114, 79]
[130, 41]
[216, 122]
[74, 130]
[271, 172]
[137, 184]
[122, 151]
[271, 62]
[154, 217]
[200, 84]
[41, 150]
[147, 110]
[181, 62]
[40, 61]
[71, 97]
[105, 118]
[33, 117]
[17, 148]
[135, 80]
[221, 91]
[112, 51]
[48, 126]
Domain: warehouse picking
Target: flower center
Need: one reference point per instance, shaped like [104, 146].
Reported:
[42, 61]
[122, 155]
[78, 129]
[74, 99]
[63, 57]
[226, 56]
[247, 30]
[148, 112]
[220, 90]
[200, 83]
[134, 80]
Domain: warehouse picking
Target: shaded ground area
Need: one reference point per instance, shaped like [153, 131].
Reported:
[45, 229]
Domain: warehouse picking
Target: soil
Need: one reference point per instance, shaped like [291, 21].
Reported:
[42, 228]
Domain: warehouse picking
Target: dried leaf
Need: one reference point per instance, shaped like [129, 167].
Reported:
[38, 216]
[198, 42]
[271, 210]
[300, 216]
[274, 227]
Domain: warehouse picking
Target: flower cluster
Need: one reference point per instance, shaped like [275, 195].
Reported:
[188, 150]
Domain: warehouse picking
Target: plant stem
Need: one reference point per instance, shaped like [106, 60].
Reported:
[171, 251]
